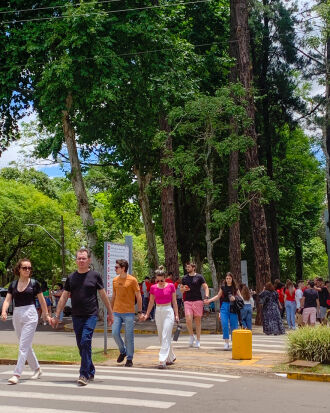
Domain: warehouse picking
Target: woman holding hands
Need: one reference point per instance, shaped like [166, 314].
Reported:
[163, 294]
[227, 293]
[25, 317]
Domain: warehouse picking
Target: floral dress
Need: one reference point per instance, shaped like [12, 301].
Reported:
[272, 321]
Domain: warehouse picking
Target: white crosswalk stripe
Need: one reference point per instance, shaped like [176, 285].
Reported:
[260, 344]
[142, 388]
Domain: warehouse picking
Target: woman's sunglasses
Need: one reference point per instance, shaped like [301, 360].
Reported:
[160, 281]
[27, 268]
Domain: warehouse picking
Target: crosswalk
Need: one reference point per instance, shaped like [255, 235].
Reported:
[260, 343]
[114, 387]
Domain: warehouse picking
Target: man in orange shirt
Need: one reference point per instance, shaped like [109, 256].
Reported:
[125, 290]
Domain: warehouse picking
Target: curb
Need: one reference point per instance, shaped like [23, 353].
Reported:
[11, 362]
[138, 331]
[309, 376]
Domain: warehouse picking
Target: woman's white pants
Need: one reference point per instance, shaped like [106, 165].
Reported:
[25, 321]
[164, 321]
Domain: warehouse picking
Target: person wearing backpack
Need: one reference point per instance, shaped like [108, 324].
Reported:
[227, 292]
[25, 318]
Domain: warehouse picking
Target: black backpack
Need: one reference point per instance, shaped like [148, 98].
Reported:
[15, 282]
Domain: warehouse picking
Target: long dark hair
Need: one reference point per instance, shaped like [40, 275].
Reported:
[245, 292]
[234, 287]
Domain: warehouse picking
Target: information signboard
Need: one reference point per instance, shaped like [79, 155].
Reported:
[113, 252]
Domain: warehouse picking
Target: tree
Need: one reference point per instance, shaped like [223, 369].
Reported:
[241, 53]
[22, 204]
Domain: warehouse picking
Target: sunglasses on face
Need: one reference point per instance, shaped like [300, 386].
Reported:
[117, 266]
[26, 268]
[160, 281]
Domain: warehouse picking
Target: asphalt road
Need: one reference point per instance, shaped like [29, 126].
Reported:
[126, 390]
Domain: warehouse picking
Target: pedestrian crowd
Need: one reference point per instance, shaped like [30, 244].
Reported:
[162, 299]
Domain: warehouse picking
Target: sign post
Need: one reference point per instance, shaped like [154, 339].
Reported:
[113, 252]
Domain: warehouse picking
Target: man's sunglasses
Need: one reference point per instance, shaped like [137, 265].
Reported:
[117, 266]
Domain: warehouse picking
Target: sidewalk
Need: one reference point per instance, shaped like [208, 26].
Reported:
[200, 359]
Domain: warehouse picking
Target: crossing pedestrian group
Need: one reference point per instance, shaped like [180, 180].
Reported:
[162, 298]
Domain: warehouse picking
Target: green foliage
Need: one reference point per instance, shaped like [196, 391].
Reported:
[315, 260]
[21, 205]
[310, 343]
[30, 176]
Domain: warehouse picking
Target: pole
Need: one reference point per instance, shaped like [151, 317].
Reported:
[63, 248]
[129, 242]
[105, 312]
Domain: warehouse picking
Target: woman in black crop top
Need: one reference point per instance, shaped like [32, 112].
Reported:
[227, 293]
[25, 318]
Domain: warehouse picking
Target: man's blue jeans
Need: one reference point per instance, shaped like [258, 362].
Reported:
[246, 316]
[226, 318]
[127, 347]
[84, 329]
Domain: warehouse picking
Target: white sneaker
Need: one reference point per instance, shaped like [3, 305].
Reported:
[197, 344]
[36, 375]
[226, 347]
[13, 380]
[191, 341]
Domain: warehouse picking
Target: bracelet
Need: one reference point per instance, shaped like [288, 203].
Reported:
[55, 316]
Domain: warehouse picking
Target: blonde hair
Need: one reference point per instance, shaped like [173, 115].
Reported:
[160, 272]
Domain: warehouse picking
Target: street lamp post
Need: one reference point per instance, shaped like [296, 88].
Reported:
[60, 244]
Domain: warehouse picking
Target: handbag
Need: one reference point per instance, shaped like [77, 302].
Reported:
[237, 305]
[177, 332]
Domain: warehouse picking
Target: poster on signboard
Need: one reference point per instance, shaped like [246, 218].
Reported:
[113, 252]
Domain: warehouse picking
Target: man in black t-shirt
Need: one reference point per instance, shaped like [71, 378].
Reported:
[310, 304]
[193, 302]
[83, 285]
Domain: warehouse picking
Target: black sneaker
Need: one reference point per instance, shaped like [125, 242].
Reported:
[121, 358]
[82, 381]
[129, 363]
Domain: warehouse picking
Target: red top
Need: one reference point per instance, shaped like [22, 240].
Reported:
[290, 296]
[280, 295]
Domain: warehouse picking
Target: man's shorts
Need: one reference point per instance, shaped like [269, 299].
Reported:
[194, 308]
[309, 313]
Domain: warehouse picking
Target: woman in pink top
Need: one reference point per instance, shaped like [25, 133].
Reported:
[163, 294]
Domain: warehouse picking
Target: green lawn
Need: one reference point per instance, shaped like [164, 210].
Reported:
[285, 368]
[56, 353]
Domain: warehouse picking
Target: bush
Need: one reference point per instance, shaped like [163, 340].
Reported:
[310, 343]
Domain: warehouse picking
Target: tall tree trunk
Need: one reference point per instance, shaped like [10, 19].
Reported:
[209, 169]
[79, 186]
[326, 128]
[270, 210]
[299, 260]
[167, 205]
[234, 230]
[240, 37]
[143, 182]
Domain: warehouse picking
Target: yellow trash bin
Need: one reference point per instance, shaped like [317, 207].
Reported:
[242, 345]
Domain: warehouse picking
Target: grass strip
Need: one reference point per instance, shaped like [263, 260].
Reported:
[285, 368]
[56, 353]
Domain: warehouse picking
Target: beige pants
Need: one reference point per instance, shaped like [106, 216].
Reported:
[25, 321]
[164, 321]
